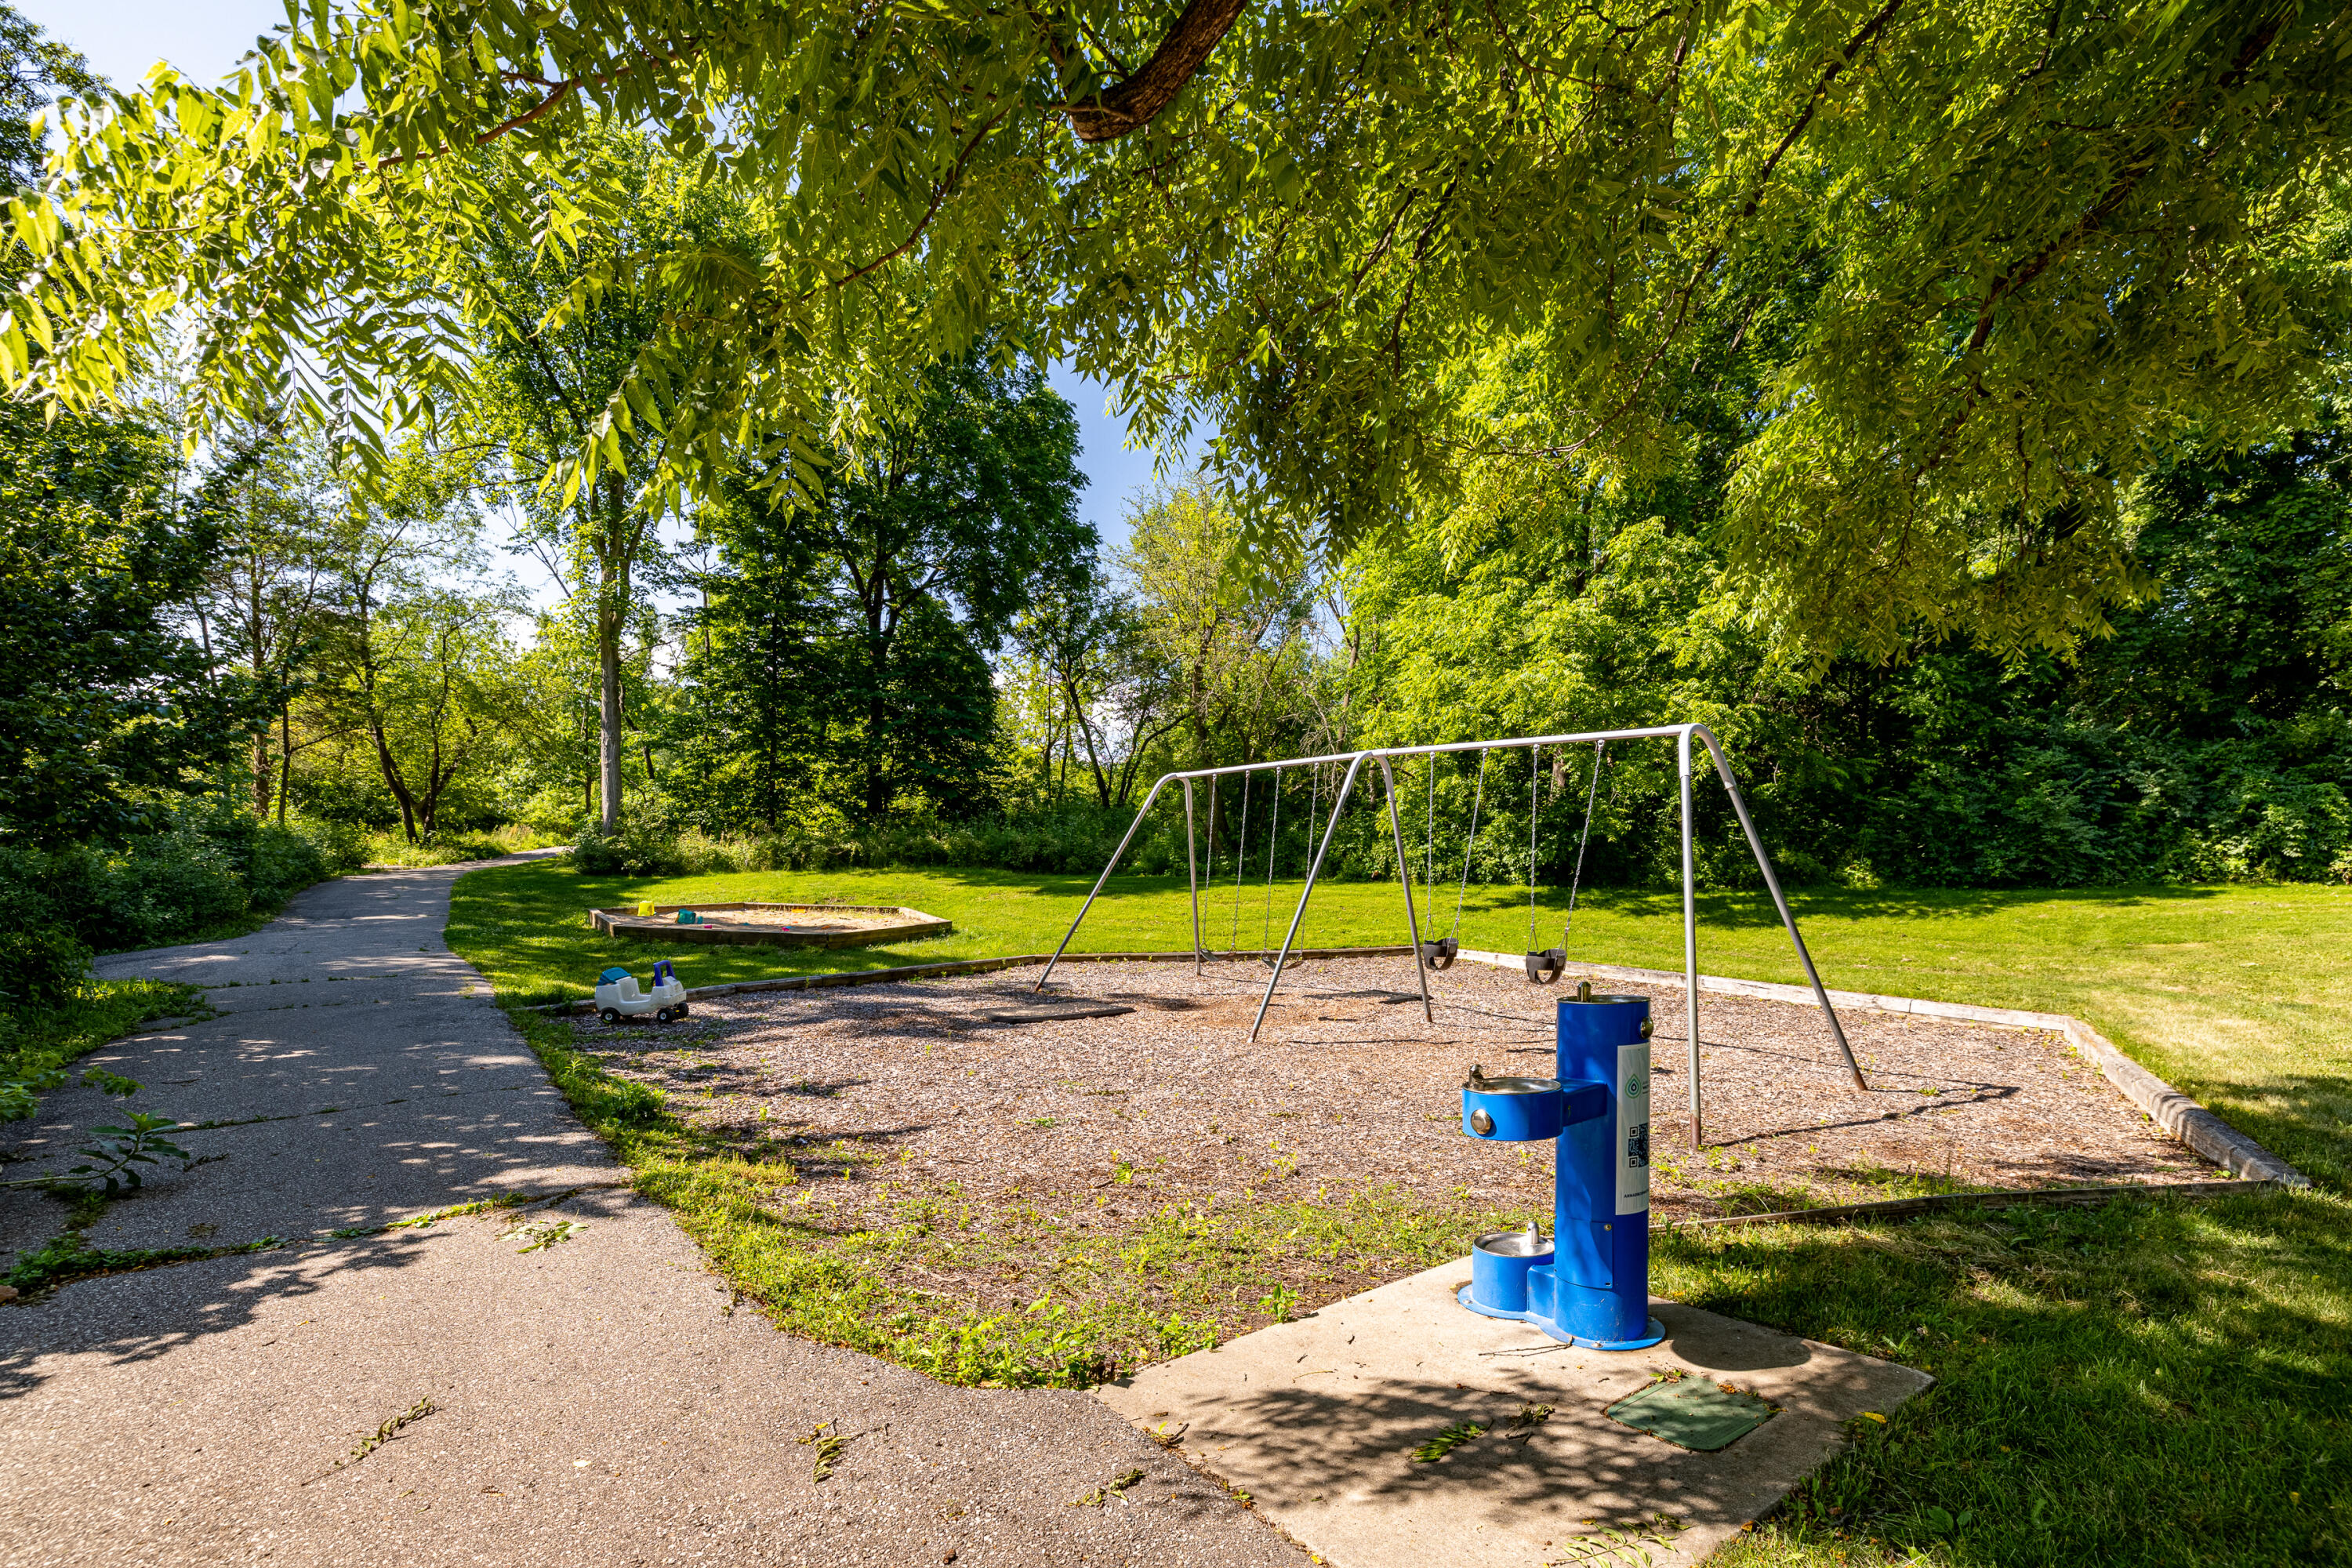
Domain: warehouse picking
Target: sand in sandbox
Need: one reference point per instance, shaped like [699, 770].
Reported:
[799, 921]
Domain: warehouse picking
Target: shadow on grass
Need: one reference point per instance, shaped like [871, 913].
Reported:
[2143, 1382]
[2306, 1118]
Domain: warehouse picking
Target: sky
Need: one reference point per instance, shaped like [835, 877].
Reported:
[202, 40]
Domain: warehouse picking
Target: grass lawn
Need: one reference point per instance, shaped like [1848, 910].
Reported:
[2151, 1383]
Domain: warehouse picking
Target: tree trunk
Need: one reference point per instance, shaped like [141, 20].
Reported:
[612, 614]
[265, 773]
[1094, 757]
[608, 660]
[881, 790]
[285, 758]
[430, 807]
[878, 776]
[394, 783]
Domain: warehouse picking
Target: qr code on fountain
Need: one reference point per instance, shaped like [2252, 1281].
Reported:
[1637, 1145]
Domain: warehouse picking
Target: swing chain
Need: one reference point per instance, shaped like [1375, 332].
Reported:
[1546, 967]
[1241, 857]
[1440, 953]
[1272, 839]
[1584, 836]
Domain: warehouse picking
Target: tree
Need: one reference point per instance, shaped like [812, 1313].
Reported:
[751, 710]
[113, 712]
[1984, 262]
[936, 532]
[426, 678]
[33, 67]
[548, 369]
[1103, 688]
[269, 586]
[418, 669]
[1234, 649]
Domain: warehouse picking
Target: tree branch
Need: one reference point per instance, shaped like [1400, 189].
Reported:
[940, 194]
[2118, 191]
[1130, 106]
[557, 92]
[1830, 73]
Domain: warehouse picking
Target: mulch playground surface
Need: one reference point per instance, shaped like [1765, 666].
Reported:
[978, 1081]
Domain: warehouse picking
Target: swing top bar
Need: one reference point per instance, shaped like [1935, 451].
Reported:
[1657, 732]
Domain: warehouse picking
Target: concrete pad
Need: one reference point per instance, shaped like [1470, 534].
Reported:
[1317, 1420]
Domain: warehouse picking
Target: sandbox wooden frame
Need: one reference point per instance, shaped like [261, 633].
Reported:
[909, 925]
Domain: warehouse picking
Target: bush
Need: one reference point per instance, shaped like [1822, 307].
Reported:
[1072, 844]
[213, 866]
[452, 848]
[342, 846]
[283, 863]
[633, 849]
[41, 966]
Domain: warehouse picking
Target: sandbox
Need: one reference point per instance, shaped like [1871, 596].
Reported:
[773, 925]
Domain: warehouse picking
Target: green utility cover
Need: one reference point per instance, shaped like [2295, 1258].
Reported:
[1692, 1413]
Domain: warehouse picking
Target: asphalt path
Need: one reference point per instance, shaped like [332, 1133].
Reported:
[580, 1389]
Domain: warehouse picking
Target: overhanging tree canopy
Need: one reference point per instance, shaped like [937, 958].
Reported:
[1966, 265]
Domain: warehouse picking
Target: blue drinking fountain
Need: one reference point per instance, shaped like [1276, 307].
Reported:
[1591, 1286]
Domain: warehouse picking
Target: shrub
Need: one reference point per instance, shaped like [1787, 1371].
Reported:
[283, 863]
[211, 866]
[391, 848]
[341, 846]
[633, 849]
[41, 965]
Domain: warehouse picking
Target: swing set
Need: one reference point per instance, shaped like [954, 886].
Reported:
[1544, 967]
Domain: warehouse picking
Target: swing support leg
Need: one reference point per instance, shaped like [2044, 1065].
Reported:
[1764, 863]
[1690, 937]
[1404, 876]
[1338, 801]
[1117, 855]
[1192, 876]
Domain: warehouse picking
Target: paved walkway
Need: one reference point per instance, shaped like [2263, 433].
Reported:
[592, 1402]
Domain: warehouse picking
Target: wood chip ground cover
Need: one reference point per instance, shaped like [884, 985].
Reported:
[1133, 1185]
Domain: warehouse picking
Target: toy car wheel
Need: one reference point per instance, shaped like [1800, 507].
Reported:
[661, 1014]
[610, 1015]
[678, 1011]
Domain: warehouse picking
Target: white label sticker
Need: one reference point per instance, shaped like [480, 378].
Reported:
[1633, 1128]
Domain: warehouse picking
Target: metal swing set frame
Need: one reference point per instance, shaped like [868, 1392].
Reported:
[1683, 735]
